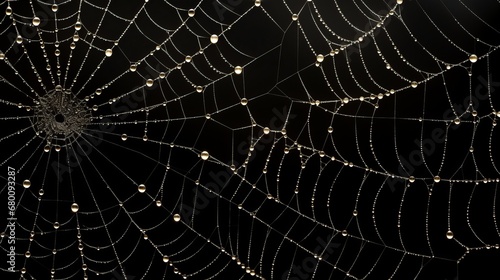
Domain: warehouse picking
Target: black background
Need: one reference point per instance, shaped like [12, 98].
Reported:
[280, 81]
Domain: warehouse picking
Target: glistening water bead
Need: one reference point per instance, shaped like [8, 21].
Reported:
[204, 155]
[214, 39]
[320, 58]
[36, 21]
[238, 70]
[473, 58]
[141, 188]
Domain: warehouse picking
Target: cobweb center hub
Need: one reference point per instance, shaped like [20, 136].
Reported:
[61, 117]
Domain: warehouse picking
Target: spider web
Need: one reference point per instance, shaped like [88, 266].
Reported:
[249, 139]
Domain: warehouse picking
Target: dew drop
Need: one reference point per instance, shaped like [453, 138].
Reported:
[204, 155]
[437, 179]
[320, 58]
[214, 39]
[74, 207]
[473, 58]
[36, 21]
[177, 218]
[238, 70]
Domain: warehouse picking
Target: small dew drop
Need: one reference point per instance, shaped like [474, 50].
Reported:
[320, 58]
[36, 21]
[473, 58]
[238, 70]
[449, 234]
[109, 52]
[177, 218]
[214, 39]
[74, 207]
[204, 155]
